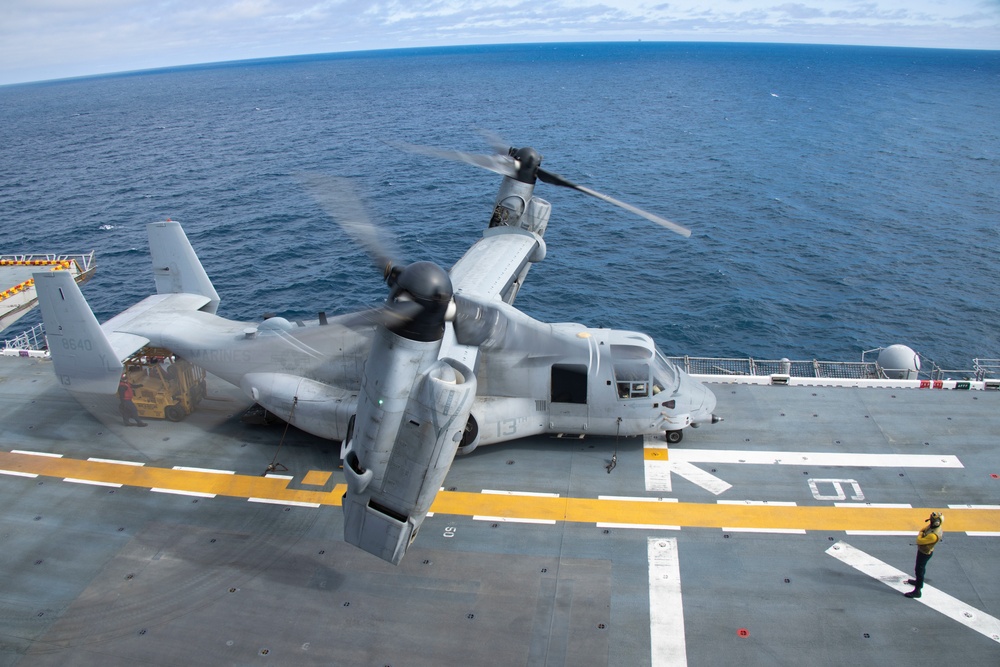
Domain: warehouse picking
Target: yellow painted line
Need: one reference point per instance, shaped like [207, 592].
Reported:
[192, 481]
[513, 507]
[317, 477]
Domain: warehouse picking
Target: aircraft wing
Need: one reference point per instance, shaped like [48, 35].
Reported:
[496, 264]
[159, 306]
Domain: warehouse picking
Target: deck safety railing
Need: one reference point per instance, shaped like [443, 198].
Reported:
[848, 370]
[32, 339]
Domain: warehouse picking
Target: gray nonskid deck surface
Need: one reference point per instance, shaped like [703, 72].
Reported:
[93, 574]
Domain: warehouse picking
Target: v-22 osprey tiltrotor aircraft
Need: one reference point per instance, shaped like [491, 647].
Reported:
[446, 365]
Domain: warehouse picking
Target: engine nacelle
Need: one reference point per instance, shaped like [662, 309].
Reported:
[384, 511]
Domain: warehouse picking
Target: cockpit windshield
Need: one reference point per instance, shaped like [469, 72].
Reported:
[665, 375]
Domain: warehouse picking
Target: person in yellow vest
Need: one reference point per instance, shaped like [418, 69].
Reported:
[927, 539]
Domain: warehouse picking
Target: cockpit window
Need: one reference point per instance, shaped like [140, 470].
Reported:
[632, 366]
[641, 372]
[632, 380]
[665, 375]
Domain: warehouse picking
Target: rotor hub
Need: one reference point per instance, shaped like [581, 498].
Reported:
[528, 160]
[428, 285]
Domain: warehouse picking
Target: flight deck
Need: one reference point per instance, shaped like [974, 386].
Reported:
[778, 536]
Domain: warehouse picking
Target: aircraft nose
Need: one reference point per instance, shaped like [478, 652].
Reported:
[705, 413]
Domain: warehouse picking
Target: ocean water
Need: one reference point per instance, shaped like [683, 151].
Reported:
[841, 198]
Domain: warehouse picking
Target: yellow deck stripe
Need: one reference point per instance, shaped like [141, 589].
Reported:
[579, 510]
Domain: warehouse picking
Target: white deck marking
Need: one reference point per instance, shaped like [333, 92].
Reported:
[639, 499]
[638, 526]
[658, 477]
[276, 476]
[681, 460]
[776, 503]
[507, 519]
[934, 598]
[839, 459]
[668, 646]
[73, 480]
[520, 493]
[27, 451]
[658, 473]
[115, 461]
[196, 494]
[275, 501]
[17, 473]
[885, 505]
[979, 533]
[211, 470]
[894, 533]
[782, 531]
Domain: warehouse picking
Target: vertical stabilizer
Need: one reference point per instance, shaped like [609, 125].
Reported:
[176, 267]
[83, 358]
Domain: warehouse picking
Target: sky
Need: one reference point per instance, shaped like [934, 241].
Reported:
[54, 39]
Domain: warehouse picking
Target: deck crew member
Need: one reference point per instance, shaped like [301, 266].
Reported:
[128, 409]
[927, 539]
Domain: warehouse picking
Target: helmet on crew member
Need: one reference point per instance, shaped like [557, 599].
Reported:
[936, 519]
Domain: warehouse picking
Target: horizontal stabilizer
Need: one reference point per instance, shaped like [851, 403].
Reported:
[82, 355]
[176, 267]
[152, 313]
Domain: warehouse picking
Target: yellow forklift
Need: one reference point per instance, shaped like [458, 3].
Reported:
[164, 386]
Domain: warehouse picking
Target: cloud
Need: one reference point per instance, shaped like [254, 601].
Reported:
[56, 38]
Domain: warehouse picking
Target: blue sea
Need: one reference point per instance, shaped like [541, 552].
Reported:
[841, 198]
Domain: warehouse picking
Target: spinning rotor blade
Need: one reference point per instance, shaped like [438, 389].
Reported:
[420, 292]
[498, 164]
[341, 203]
[495, 141]
[555, 179]
[509, 165]
[391, 315]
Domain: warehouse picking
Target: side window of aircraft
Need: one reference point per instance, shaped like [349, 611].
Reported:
[632, 380]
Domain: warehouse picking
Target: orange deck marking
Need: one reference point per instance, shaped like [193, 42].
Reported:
[577, 510]
[317, 477]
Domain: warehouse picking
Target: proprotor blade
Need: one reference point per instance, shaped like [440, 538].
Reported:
[392, 316]
[496, 142]
[556, 179]
[337, 197]
[498, 164]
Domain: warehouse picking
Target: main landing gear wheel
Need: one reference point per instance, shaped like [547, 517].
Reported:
[673, 437]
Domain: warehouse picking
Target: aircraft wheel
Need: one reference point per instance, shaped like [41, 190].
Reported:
[673, 437]
[174, 413]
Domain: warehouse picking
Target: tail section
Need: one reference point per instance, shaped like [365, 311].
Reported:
[82, 355]
[176, 267]
[88, 356]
